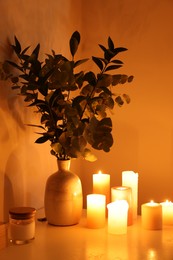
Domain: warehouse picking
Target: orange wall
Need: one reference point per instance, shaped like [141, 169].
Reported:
[143, 130]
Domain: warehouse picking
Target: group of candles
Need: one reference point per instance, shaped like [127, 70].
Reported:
[120, 205]
[156, 215]
[120, 202]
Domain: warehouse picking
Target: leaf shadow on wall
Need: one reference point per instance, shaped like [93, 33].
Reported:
[11, 103]
[13, 184]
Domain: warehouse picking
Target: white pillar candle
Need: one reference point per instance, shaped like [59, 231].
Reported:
[123, 193]
[167, 212]
[130, 179]
[101, 185]
[117, 217]
[96, 213]
[151, 215]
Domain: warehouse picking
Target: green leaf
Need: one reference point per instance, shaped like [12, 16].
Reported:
[90, 77]
[119, 49]
[116, 79]
[42, 139]
[113, 67]
[86, 90]
[39, 126]
[110, 44]
[102, 47]
[30, 97]
[35, 53]
[98, 62]
[77, 100]
[123, 79]
[103, 141]
[127, 98]
[79, 62]
[130, 79]
[109, 102]
[117, 61]
[44, 118]
[106, 91]
[107, 122]
[56, 147]
[119, 101]
[88, 155]
[105, 80]
[74, 42]
[108, 55]
[24, 51]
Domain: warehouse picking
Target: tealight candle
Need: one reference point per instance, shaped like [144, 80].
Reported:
[117, 217]
[130, 179]
[167, 212]
[151, 215]
[96, 213]
[101, 185]
[123, 193]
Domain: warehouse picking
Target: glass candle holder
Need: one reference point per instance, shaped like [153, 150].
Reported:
[21, 225]
[123, 193]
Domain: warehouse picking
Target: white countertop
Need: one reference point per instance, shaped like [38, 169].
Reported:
[80, 243]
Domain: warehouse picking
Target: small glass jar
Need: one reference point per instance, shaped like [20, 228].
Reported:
[21, 225]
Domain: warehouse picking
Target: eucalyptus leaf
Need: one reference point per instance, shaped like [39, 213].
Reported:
[130, 79]
[88, 155]
[127, 98]
[119, 100]
[90, 77]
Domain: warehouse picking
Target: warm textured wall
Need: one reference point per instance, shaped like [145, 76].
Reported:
[24, 166]
[143, 130]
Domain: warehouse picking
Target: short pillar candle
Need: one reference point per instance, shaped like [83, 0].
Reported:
[96, 210]
[151, 216]
[123, 193]
[130, 179]
[101, 185]
[167, 213]
[117, 217]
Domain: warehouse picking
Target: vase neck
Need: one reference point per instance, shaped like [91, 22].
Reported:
[64, 164]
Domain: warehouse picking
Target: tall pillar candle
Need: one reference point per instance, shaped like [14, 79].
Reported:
[130, 179]
[123, 193]
[96, 213]
[151, 216]
[101, 185]
[117, 217]
[167, 213]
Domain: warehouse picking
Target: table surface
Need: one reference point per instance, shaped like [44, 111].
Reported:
[79, 243]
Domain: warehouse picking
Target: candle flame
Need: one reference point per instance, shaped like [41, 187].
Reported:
[100, 172]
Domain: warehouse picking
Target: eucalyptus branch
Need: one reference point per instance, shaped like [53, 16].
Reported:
[56, 75]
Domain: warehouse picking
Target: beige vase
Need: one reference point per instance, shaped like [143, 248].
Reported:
[63, 196]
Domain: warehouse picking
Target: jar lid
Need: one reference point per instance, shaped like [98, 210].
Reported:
[22, 212]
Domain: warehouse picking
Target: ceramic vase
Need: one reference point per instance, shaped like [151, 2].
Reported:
[63, 196]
